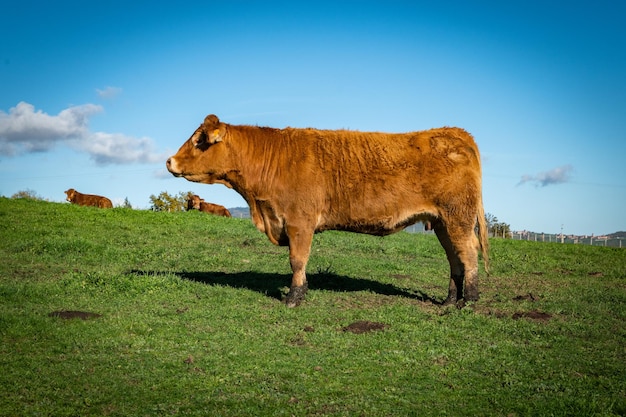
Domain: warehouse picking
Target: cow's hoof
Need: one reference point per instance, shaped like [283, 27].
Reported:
[450, 301]
[471, 296]
[295, 296]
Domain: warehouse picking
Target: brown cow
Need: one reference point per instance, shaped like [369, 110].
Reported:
[75, 197]
[301, 181]
[194, 202]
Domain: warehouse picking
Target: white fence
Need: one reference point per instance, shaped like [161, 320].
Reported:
[418, 228]
[546, 237]
[561, 238]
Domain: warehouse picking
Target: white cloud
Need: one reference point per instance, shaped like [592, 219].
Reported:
[24, 130]
[557, 175]
[109, 92]
[116, 148]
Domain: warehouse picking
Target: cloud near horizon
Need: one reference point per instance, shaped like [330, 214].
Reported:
[557, 175]
[24, 130]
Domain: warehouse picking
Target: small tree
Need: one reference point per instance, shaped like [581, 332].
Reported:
[28, 194]
[127, 204]
[502, 229]
[497, 228]
[167, 202]
[490, 219]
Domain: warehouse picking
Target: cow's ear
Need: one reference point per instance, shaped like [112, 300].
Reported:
[211, 120]
[216, 135]
[214, 129]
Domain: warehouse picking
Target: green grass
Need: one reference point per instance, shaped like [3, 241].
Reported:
[192, 324]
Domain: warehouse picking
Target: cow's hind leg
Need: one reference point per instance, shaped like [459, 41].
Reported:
[455, 289]
[299, 249]
[460, 246]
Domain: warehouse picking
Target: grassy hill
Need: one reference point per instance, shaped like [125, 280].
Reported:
[123, 312]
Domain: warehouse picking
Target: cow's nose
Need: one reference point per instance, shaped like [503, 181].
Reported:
[171, 166]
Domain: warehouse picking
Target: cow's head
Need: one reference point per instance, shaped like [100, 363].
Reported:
[70, 194]
[204, 157]
[193, 202]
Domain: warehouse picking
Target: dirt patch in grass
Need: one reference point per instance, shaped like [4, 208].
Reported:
[72, 314]
[534, 315]
[527, 297]
[364, 326]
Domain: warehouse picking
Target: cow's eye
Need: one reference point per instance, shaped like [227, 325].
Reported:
[200, 141]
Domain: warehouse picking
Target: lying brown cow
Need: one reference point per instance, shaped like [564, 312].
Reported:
[194, 202]
[301, 181]
[75, 197]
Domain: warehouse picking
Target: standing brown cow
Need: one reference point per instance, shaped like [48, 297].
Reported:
[194, 202]
[301, 181]
[75, 197]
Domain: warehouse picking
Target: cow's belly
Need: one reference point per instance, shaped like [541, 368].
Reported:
[380, 225]
[377, 209]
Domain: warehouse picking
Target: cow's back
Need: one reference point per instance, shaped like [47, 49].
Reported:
[214, 209]
[104, 202]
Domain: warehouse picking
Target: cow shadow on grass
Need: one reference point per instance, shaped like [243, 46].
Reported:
[275, 285]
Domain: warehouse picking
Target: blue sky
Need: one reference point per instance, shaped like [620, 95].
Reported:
[96, 95]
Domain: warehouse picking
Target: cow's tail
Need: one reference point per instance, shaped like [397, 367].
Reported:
[483, 234]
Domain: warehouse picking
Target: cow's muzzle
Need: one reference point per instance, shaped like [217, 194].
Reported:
[171, 167]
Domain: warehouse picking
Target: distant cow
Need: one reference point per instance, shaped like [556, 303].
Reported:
[75, 197]
[301, 181]
[194, 202]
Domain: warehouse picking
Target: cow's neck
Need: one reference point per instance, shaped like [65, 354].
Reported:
[260, 153]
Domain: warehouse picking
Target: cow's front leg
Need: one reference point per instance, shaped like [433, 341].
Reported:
[299, 249]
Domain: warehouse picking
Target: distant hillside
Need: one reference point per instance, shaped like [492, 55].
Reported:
[240, 212]
[617, 235]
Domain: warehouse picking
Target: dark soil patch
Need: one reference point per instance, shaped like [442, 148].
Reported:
[363, 326]
[596, 274]
[70, 314]
[527, 297]
[533, 315]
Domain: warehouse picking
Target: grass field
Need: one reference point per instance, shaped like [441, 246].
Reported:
[122, 312]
